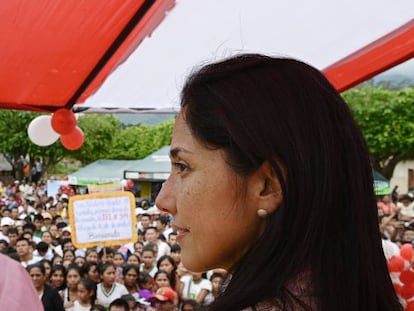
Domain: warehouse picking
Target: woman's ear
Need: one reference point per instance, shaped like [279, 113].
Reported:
[265, 190]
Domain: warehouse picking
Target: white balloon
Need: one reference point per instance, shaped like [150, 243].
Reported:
[40, 131]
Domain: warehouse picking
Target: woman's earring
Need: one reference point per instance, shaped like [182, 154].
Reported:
[262, 213]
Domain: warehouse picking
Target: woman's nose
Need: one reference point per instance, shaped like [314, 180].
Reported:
[165, 200]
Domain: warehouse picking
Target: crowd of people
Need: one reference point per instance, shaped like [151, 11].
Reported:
[144, 275]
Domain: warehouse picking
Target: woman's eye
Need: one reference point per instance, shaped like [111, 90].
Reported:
[180, 166]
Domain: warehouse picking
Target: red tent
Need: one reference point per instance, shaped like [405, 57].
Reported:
[56, 53]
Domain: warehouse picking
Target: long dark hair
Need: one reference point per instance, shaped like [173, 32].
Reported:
[172, 277]
[258, 108]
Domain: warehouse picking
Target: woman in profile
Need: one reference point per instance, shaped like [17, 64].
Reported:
[271, 180]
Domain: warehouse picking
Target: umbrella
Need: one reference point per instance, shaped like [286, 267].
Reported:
[381, 184]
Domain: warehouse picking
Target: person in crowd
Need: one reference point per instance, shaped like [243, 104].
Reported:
[387, 206]
[25, 252]
[190, 305]
[152, 236]
[109, 290]
[13, 235]
[148, 260]
[70, 293]
[138, 247]
[405, 208]
[86, 296]
[119, 263]
[161, 279]
[57, 277]
[145, 285]
[172, 238]
[216, 280]
[47, 264]
[118, 305]
[166, 263]
[264, 157]
[98, 307]
[92, 255]
[165, 299]
[49, 296]
[133, 259]
[194, 286]
[90, 270]
[131, 273]
[132, 302]
[106, 254]
[79, 261]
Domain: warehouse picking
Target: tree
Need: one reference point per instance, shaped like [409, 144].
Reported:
[15, 143]
[386, 118]
[99, 131]
[136, 142]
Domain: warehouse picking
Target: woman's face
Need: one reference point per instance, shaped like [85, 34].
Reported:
[68, 256]
[118, 260]
[108, 276]
[93, 274]
[133, 260]
[162, 280]
[166, 266]
[130, 278]
[72, 278]
[57, 279]
[92, 257]
[84, 295]
[204, 195]
[38, 278]
[47, 238]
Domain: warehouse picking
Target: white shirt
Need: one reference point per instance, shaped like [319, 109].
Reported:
[192, 289]
[106, 298]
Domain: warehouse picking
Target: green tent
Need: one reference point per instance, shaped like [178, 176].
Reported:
[381, 184]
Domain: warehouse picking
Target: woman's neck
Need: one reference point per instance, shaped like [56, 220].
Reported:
[107, 286]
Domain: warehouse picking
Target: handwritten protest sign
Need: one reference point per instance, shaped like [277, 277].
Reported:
[102, 219]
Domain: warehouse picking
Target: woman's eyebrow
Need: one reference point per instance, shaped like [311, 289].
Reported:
[175, 151]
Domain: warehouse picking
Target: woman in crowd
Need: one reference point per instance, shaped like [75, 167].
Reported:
[194, 286]
[271, 180]
[57, 277]
[86, 296]
[49, 296]
[133, 259]
[92, 255]
[161, 279]
[130, 273]
[70, 293]
[108, 289]
[168, 264]
[90, 270]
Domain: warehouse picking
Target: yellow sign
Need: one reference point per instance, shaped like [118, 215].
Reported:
[102, 219]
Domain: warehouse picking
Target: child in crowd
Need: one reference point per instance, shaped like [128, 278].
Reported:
[86, 296]
[109, 290]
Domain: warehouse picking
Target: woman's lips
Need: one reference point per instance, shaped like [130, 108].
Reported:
[181, 232]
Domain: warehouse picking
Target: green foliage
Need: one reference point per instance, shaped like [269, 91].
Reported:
[386, 120]
[14, 141]
[105, 138]
[99, 130]
[136, 142]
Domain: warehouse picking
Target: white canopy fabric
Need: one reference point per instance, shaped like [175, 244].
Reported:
[319, 32]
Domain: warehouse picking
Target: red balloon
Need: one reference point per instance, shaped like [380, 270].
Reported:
[63, 121]
[396, 264]
[407, 291]
[406, 251]
[73, 140]
[407, 277]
